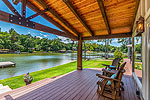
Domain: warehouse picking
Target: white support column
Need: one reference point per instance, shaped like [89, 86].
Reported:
[129, 48]
[146, 60]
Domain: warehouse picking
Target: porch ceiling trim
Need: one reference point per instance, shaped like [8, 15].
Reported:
[121, 35]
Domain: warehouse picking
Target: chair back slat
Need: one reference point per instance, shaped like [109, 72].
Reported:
[120, 71]
[115, 62]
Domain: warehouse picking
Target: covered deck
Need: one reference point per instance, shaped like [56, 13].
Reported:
[77, 85]
[85, 20]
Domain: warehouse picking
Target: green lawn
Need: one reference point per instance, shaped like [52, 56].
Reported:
[16, 82]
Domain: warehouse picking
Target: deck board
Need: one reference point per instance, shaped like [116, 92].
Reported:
[78, 85]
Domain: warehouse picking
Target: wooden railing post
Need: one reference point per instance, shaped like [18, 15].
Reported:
[79, 55]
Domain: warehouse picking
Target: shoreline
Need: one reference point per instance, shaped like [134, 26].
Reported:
[17, 81]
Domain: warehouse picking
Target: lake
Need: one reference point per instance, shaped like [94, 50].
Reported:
[34, 62]
[30, 63]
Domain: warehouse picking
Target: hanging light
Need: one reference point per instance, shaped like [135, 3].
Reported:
[140, 25]
[16, 1]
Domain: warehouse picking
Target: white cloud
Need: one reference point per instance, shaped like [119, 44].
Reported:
[29, 32]
[45, 35]
[64, 39]
[115, 40]
[39, 37]
[41, 34]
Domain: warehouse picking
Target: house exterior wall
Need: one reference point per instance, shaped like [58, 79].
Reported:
[144, 11]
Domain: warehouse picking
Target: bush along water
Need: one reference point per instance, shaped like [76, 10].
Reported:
[118, 54]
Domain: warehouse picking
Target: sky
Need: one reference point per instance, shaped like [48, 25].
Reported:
[23, 30]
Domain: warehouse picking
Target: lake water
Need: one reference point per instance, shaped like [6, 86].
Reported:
[31, 63]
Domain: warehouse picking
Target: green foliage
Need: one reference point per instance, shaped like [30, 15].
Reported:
[124, 42]
[16, 82]
[27, 43]
[138, 48]
[118, 54]
[138, 66]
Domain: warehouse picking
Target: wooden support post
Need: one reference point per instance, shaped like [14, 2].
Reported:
[132, 54]
[79, 58]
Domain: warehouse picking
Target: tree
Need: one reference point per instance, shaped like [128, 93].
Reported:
[124, 42]
[106, 41]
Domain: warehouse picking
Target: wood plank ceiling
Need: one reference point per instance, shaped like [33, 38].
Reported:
[89, 18]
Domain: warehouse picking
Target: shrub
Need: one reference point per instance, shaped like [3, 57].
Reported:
[118, 54]
[138, 66]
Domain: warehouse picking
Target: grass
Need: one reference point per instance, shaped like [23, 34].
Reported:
[16, 82]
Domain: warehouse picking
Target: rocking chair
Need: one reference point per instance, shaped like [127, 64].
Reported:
[110, 86]
[115, 64]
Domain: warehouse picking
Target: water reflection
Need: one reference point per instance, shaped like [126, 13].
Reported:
[32, 63]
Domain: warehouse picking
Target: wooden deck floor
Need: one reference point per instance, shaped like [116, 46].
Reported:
[77, 85]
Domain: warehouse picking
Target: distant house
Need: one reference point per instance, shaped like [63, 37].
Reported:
[62, 51]
[6, 51]
[69, 51]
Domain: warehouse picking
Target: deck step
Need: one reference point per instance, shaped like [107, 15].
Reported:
[30, 87]
[4, 89]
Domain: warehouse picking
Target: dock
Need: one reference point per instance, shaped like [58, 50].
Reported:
[6, 64]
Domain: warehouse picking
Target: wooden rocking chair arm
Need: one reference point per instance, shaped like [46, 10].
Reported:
[106, 65]
[104, 77]
[111, 67]
[107, 71]
[107, 78]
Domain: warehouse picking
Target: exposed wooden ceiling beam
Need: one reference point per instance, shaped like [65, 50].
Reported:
[37, 14]
[31, 6]
[6, 17]
[76, 13]
[23, 9]
[57, 16]
[135, 12]
[121, 35]
[8, 4]
[103, 12]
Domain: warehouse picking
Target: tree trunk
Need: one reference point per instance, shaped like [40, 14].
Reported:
[84, 51]
[129, 49]
[106, 50]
